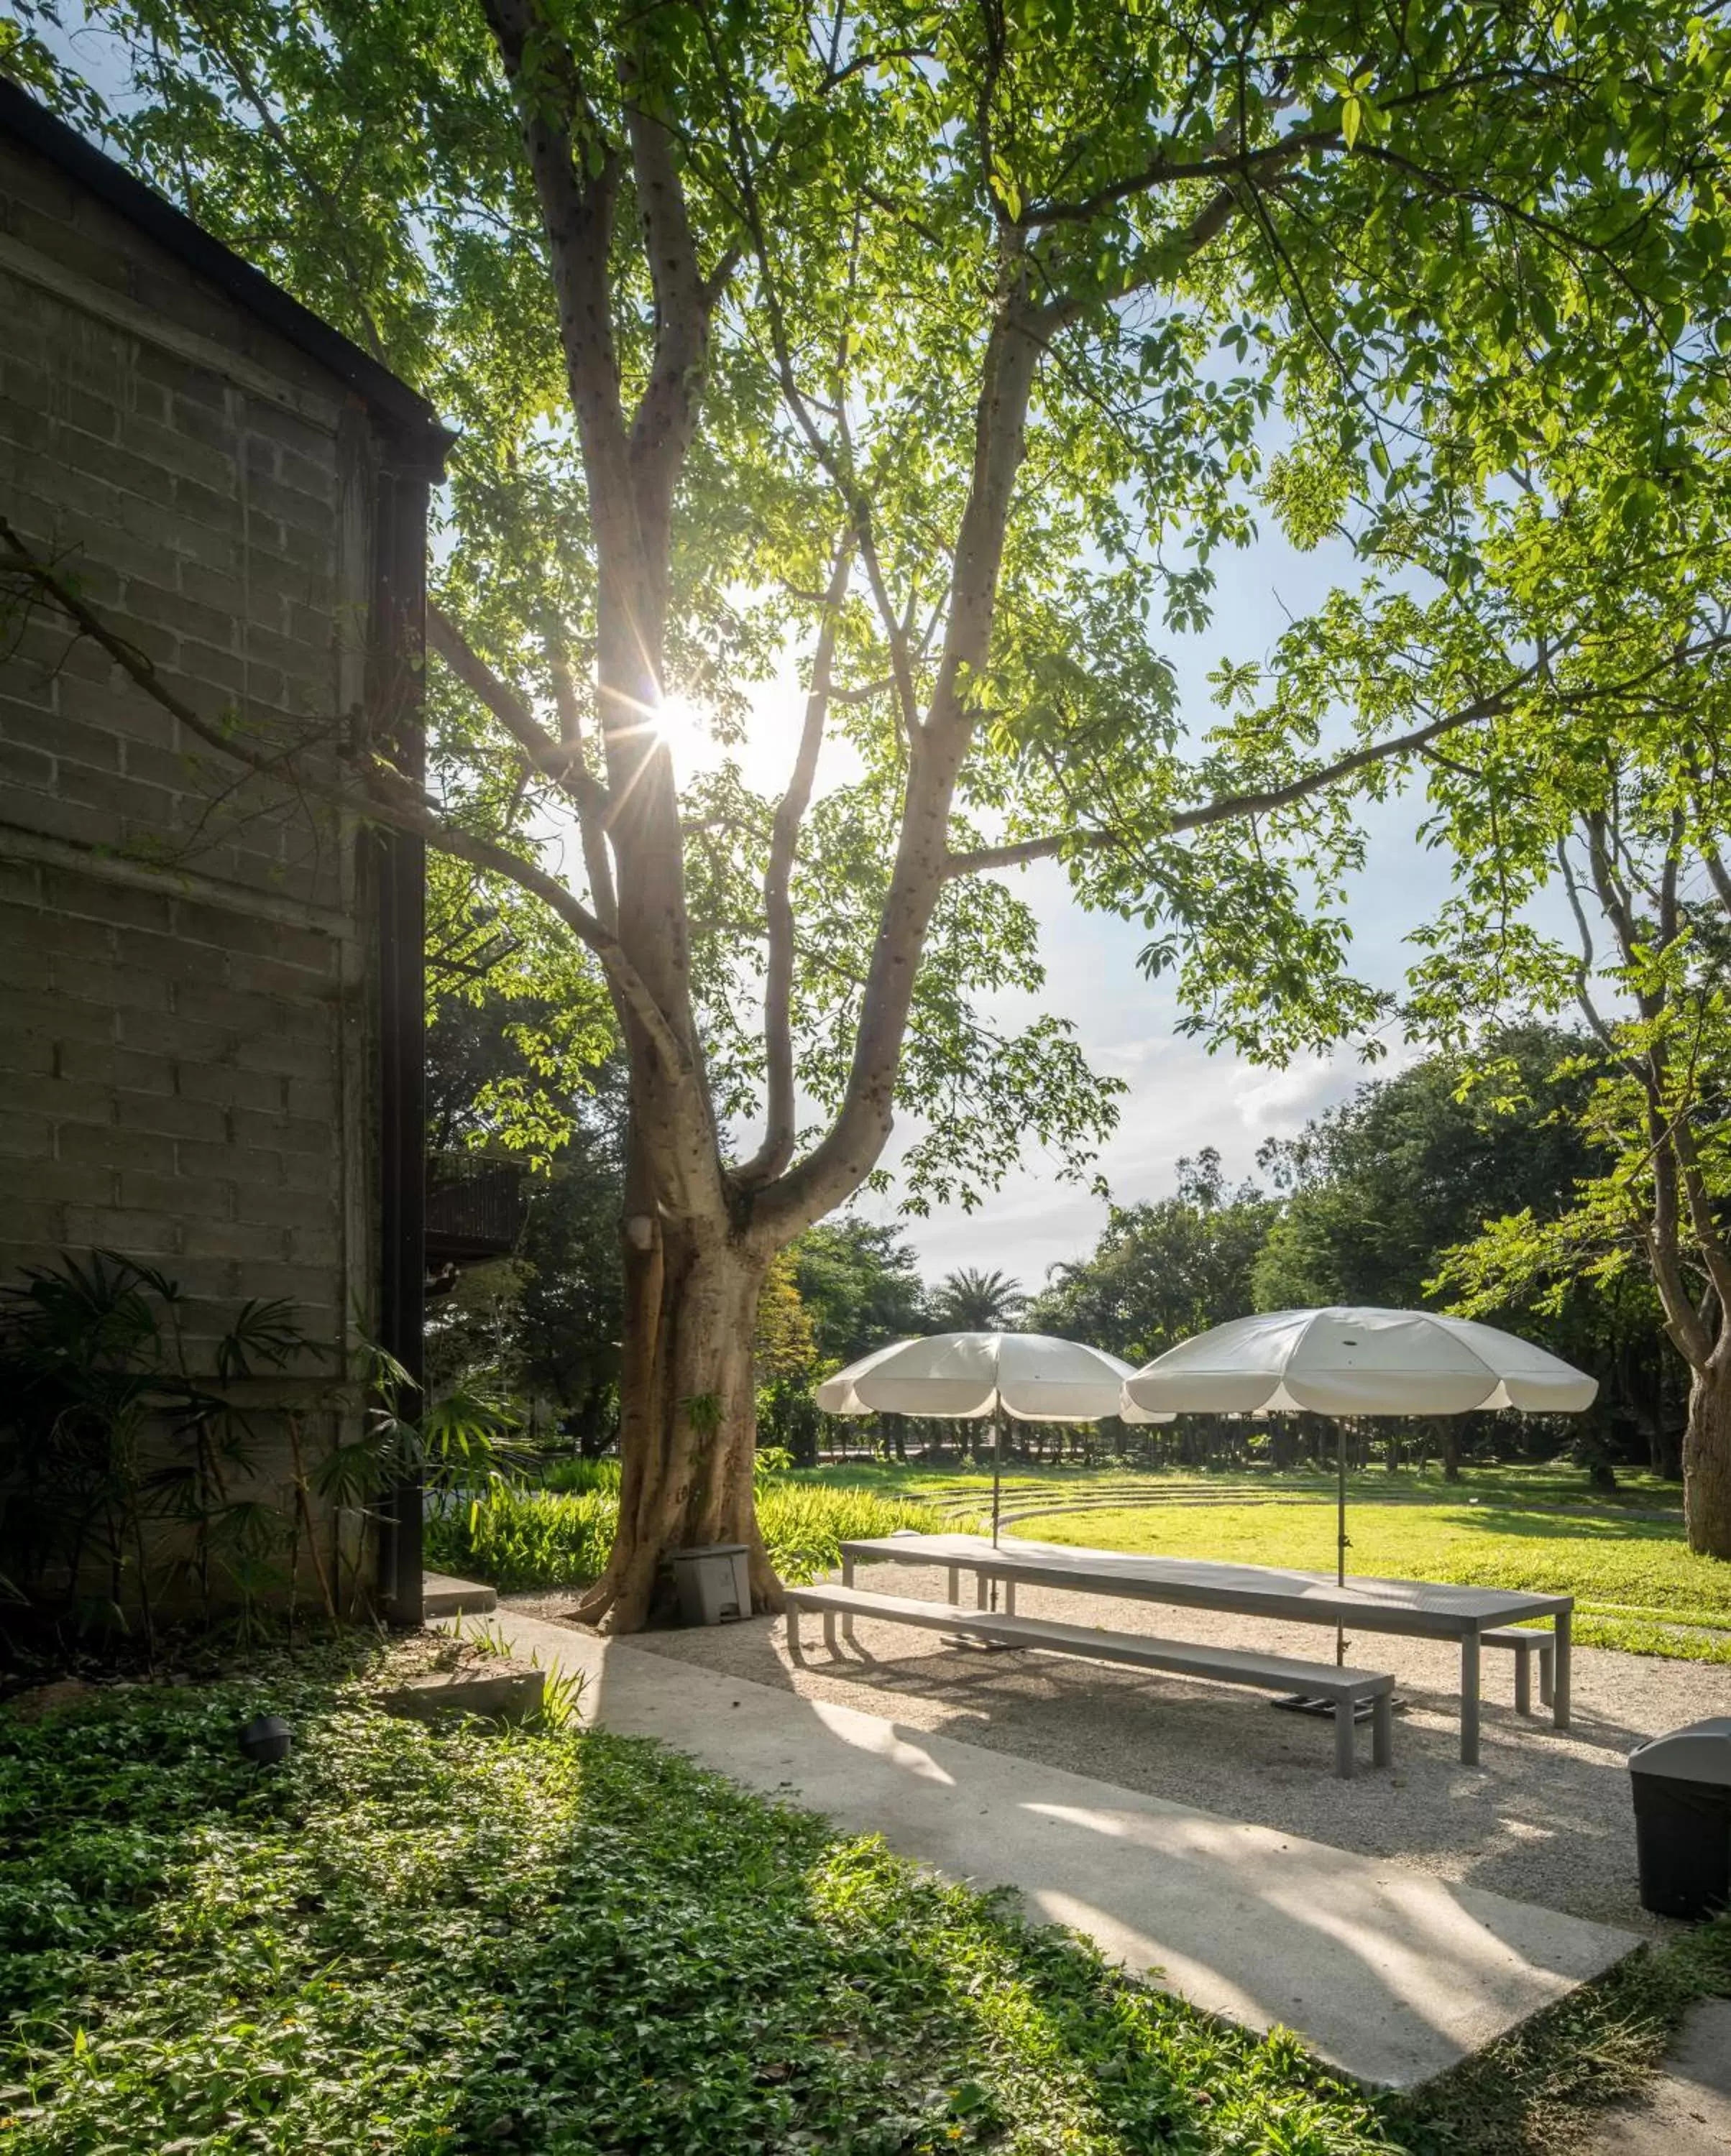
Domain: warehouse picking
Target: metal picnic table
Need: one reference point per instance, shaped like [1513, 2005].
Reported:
[1418, 1609]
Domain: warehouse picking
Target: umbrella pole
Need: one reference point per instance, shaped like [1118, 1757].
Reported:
[997, 1479]
[1340, 1537]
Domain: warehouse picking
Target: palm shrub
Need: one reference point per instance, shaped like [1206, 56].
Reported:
[108, 1436]
[130, 1473]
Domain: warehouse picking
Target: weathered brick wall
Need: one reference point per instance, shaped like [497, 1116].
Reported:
[186, 957]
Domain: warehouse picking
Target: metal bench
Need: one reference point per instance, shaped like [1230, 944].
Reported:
[1526, 1643]
[1345, 1688]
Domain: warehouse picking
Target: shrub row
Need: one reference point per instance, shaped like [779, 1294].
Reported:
[518, 1539]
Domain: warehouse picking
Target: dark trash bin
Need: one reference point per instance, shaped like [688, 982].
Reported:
[1682, 1785]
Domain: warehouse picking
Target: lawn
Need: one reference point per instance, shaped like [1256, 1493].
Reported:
[1634, 1578]
[460, 1940]
[1621, 1554]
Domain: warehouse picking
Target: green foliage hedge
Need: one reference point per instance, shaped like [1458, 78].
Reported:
[408, 1940]
[527, 1538]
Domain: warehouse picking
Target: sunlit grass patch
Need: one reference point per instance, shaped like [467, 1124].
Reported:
[1632, 1577]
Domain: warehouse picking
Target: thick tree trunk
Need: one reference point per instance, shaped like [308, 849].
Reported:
[1707, 1462]
[689, 1420]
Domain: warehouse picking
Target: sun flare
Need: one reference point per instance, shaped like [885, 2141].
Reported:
[679, 725]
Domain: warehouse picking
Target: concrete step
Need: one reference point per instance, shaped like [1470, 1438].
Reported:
[442, 1596]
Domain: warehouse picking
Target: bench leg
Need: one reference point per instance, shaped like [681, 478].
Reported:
[1469, 1697]
[955, 1585]
[829, 1634]
[795, 1650]
[1382, 1730]
[1523, 1681]
[1346, 1737]
[1010, 1598]
[1546, 1672]
[1560, 1682]
[979, 1590]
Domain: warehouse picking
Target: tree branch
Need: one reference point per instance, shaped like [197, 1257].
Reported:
[1717, 873]
[1231, 806]
[1583, 966]
[578, 217]
[554, 760]
[1163, 171]
[666, 416]
[780, 1128]
[591, 796]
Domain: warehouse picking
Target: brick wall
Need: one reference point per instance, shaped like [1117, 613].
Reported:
[187, 957]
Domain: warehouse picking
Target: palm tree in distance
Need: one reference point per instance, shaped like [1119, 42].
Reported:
[970, 1301]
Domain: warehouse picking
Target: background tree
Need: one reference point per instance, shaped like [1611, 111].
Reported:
[971, 1299]
[912, 326]
[569, 1311]
[1163, 1270]
[1382, 1189]
[786, 1364]
[1656, 1075]
[861, 1281]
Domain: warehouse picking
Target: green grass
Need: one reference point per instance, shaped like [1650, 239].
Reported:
[1631, 1577]
[1547, 1484]
[528, 1538]
[1621, 1554]
[410, 1940]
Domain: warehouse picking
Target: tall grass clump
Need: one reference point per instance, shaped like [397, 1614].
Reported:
[578, 1475]
[523, 1539]
[805, 1526]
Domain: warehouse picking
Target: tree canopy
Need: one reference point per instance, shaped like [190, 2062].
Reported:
[942, 348]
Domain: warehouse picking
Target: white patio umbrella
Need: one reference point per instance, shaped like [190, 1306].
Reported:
[968, 1376]
[1346, 1360]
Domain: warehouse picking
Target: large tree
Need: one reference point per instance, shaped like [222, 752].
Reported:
[935, 343]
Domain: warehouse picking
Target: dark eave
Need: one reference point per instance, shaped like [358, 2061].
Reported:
[420, 436]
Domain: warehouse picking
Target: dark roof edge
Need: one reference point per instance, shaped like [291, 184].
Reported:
[409, 416]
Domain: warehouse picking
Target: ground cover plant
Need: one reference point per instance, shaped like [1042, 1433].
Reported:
[521, 1538]
[411, 1940]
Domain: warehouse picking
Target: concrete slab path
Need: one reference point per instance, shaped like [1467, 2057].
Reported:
[1391, 1975]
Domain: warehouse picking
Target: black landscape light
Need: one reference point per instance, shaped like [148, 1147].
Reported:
[265, 1740]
